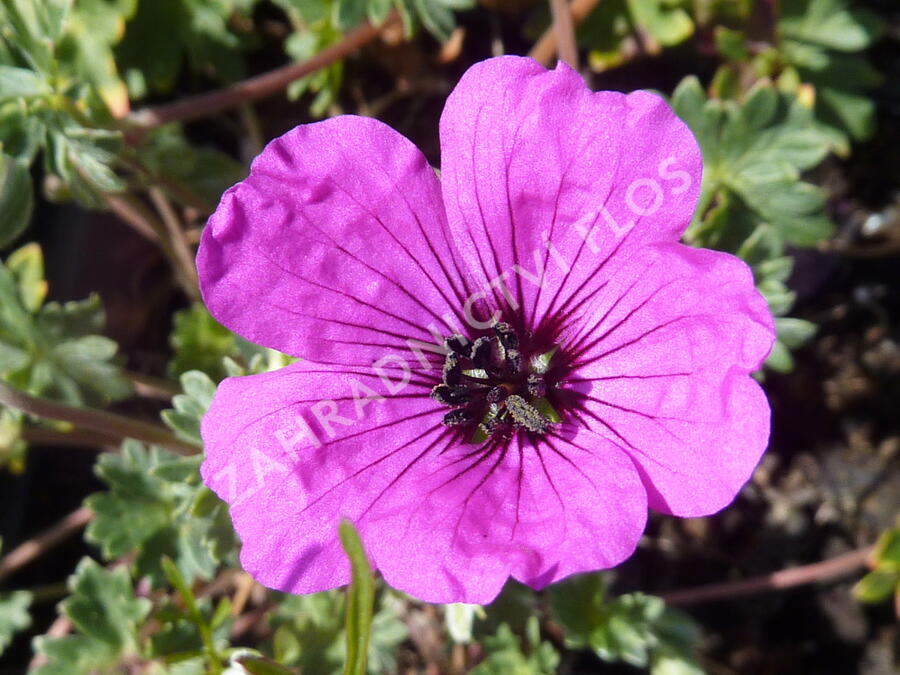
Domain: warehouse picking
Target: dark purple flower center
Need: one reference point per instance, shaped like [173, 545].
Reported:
[494, 386]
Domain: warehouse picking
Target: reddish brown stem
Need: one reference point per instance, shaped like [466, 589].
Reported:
[101, 421]
[545, 47]
[788, 578]
[565, 32]
[27, 551]
[258, 87]
[168, 236]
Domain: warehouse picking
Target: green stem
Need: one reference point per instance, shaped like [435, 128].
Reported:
[360, 601]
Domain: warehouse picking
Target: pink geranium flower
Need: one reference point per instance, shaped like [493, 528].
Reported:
[504, 365]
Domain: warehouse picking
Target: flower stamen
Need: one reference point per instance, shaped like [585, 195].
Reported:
[491, 386]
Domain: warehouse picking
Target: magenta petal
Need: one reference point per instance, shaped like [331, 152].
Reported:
[531, 156]
[335, 247]
[455, 530]
[662, 370]
[295, 450]
[443, 520]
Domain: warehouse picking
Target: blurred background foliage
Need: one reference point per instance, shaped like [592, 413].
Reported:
[110, 161]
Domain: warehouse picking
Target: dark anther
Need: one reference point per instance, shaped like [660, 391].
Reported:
[497, 394]
[482, 349]
[491, 425]
[525, 415]
[452, 370]
[507, 336]
[458, 344]
[513, 361]
[458, 417]
[494, 389]
[452, 396]
[536, 385]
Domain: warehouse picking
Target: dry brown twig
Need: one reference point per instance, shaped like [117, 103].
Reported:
[261, 86]
[824, 570]
[182, 256]
[44, 541]
[545, 48]
[171, 242]
[564, 29]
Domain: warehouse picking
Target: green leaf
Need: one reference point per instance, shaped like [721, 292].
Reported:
[258, 665]
[14, 616]
[189, 407]
[25, 34]
[105, 612]
[102, 605]
[123, 525]
[16, 199]
[457, 5]
[667, 21]
[27, 267]
[12, 447]
[378, 11]
[200, 343]
[829, 23]
[848, 110]
[732, 44]
[21, 83]
[310, 633]
[636, 628]
[98, 174]
[437, 19]
[794, 332]
[54, 352]
[887, 549]
[207, 172]
[82, 158]
[75, 655]
[760, 106]
[505, 654]
[156, 504]
[877, 586]
[577, 604]
[754, 152]
[818, 38]
[780, 359]
[360, 601]
[52, 16]
[349, 13]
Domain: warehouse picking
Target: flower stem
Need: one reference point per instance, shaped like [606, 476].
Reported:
[107, 423]
[545, 47]
[787, 578]
[149, 386]
[564, 28]
[27, 551]
[182, 257]
[166, 235]
[258, 87]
